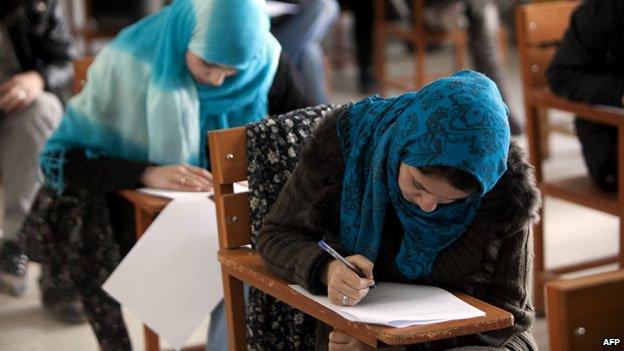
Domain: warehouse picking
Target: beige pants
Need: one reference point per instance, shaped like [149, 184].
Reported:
[22, 136]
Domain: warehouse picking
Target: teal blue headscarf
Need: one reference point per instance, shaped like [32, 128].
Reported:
[141, 102]
[459, 121]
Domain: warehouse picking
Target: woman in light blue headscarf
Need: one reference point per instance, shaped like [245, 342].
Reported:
[154, 91]
[141, 120]
[423, 188]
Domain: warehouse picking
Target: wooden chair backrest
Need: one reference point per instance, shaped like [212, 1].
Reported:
[228, 159]
[81, 66]
[540, 28]
[583, 312]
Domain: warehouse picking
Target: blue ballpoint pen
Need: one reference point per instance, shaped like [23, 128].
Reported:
[339, 257]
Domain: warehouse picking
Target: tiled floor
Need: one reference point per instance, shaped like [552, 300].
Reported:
[573, 233]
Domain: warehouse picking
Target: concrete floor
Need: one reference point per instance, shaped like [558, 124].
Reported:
[24, 326]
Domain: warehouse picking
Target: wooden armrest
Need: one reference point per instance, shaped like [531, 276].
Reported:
[247, 266]
[546, 98]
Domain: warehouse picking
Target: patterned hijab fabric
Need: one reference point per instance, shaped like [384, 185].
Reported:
[459, 121]
[141, 102]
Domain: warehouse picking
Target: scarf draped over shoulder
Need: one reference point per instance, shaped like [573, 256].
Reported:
[141, 102]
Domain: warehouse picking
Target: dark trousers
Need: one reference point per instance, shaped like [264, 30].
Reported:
[599, 143]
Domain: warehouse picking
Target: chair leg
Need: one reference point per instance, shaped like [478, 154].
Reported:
[419, 64]
[538, 267]
[459, 58]
[151, 339]
[535, 158]
[542, 123]
[379, 46]
[234, 300]
[143, 219]
[502, 43]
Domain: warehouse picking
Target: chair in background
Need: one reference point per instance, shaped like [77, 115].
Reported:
[539, 27]
[241, 264]
[146, 207]
[81, 66]
[584, 312]
[419, 37]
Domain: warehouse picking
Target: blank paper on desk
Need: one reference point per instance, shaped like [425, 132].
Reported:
[171, 279]
[402, 305]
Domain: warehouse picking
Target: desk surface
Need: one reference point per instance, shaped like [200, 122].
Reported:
[246, 265]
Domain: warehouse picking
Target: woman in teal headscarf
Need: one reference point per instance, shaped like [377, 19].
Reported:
[141, 120]
[423, 188]
[154, 91]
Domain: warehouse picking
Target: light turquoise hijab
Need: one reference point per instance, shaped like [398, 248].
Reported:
[141, 102]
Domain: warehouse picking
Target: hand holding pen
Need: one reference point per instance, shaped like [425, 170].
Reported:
[347, 279]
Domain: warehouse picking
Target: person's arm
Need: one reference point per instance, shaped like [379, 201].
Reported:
[101, 174]
[298, 220]
[288, 91]
[108, 174]
[55, 51]
[577, 70]
[510, 289]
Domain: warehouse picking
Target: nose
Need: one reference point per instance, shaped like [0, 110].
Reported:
[427, 203]
[217, 80]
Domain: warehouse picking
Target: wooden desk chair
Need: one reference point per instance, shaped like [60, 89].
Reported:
[81, 66]
[539, 27]
[418, 36]
[84, 26]
[243, 265]
[583, 312]
[146, 207]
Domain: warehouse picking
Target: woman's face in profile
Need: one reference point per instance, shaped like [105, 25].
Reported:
[206, 73]
[426, 192]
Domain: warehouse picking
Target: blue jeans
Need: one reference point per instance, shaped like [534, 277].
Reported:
[217, 329]
[301, 34]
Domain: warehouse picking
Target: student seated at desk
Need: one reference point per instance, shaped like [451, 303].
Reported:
[589, 67]
[424, 188]
[141, 120]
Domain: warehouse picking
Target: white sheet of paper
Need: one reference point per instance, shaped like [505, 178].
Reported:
[172, 194]
[401, 305]
[278, 8]
[171, 279]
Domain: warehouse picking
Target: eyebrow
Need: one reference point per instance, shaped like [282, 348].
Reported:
[420, 186]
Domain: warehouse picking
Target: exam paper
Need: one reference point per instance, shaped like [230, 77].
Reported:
[171, 279]
[402, 305]
[173, 194]
[278, 8]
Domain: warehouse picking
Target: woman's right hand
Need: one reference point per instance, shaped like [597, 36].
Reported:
[180, 177]
[341, 281]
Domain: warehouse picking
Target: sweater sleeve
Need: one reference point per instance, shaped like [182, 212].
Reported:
[577, 70]
[102, 174]
[288, 91]
[286, 244]
[510, 290]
